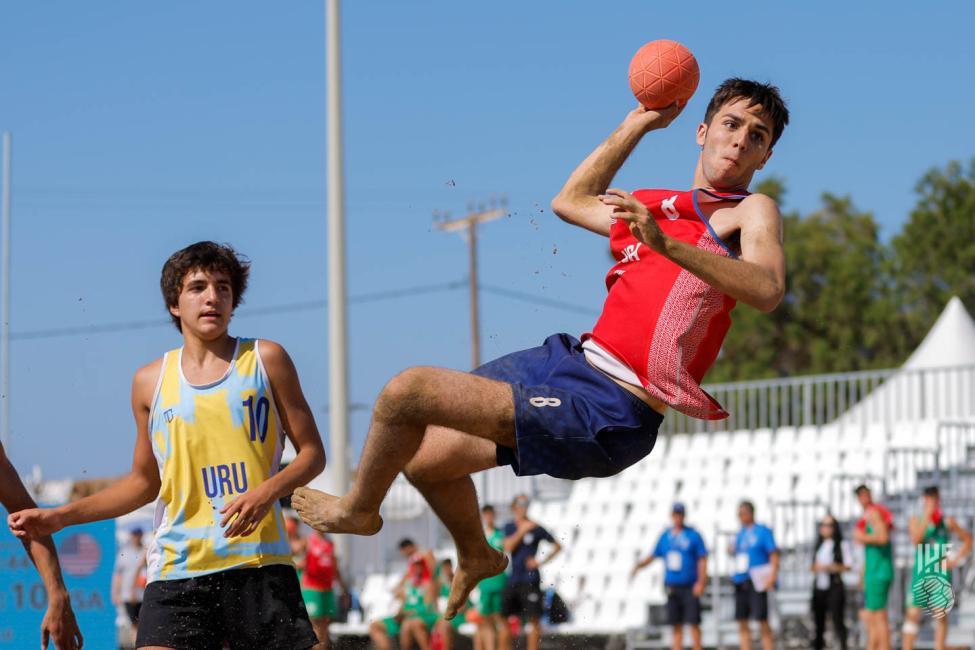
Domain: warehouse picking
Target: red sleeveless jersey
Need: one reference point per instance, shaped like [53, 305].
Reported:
[319, 570]
[661, 320]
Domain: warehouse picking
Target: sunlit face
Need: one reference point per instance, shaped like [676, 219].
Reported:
[206, 303]
[735, 145]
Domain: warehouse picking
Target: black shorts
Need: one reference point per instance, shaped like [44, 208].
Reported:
[683, 607]
[132, 611]
[245, 608]
[571, 420]
[523, 599]
[750, 604]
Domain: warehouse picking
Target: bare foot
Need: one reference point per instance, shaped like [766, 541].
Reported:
[330, 514]
[469, 573]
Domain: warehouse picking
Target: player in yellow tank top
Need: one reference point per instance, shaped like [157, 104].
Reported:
[211, 418]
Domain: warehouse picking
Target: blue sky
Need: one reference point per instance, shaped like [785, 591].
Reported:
[139, 129]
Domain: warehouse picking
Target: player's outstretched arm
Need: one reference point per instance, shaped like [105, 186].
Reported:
[246, 511]
[135, 489]
[59, 622]
[757, 278]
[578, 202]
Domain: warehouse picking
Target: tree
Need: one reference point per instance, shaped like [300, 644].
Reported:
[934, 255]
[836, 310]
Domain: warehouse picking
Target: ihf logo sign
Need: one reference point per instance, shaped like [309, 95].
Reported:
[932, 585]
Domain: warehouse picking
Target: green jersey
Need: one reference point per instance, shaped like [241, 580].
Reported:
[498, 582]
[878, 560]
[929, 557]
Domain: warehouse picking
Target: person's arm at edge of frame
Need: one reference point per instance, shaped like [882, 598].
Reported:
[577, 202]
[137, 488]
[756, 278]
[59, 621]
[299, 425]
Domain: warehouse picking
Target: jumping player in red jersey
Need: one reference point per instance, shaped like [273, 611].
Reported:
[571, 409]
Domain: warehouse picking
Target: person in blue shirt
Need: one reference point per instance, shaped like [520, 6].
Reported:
[756, 562]
[523, 594]
[686, 561]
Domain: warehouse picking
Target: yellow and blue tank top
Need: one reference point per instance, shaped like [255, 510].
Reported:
[213, 443]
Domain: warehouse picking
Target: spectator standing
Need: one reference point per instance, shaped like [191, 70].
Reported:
[686, 560]
[831, 559]
[756, 570]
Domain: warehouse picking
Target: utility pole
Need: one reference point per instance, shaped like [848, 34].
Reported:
[338, 373]
[467, 225]
[5, 296]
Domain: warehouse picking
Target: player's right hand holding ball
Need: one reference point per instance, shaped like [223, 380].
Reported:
[652, 119]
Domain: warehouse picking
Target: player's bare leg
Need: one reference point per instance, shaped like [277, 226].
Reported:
[441, 471]
[379, 636]
[409, 403]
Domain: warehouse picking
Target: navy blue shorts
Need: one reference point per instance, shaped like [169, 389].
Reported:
[571, 420]
[683, 607]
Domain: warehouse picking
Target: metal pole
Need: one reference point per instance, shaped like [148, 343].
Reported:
[472, 274]
[5, 298]
[467, 225]
[337, 347]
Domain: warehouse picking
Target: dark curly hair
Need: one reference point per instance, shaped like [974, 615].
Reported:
[203, 256]
[765, 95]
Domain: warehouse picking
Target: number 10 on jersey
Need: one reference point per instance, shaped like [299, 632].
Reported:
[258, 414]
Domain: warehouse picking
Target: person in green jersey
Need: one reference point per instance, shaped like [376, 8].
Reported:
[930, 588]
[492, 629]
[873, 531]
[417, 591]
[425, 623]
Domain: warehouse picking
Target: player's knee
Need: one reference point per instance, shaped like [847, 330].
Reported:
[403, 396]
[418, 475]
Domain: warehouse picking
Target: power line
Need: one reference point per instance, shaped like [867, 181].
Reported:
[309, 305]
[304, 306]
[536, 300]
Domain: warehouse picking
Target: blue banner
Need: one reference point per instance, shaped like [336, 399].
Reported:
[87, 555]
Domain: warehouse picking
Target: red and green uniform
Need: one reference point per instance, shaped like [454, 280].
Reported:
[491, 589]
[318, 577]
[878, 570]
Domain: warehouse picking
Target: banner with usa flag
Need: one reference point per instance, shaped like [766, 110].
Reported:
[87, 556]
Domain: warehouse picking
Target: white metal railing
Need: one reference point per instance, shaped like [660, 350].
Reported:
[850, 399]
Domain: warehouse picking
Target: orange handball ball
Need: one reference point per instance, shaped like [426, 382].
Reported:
[663, 72]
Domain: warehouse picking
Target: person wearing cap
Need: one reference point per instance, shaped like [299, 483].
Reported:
[129, 579]
[686, 561]
[756, 568]
[523, 594]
